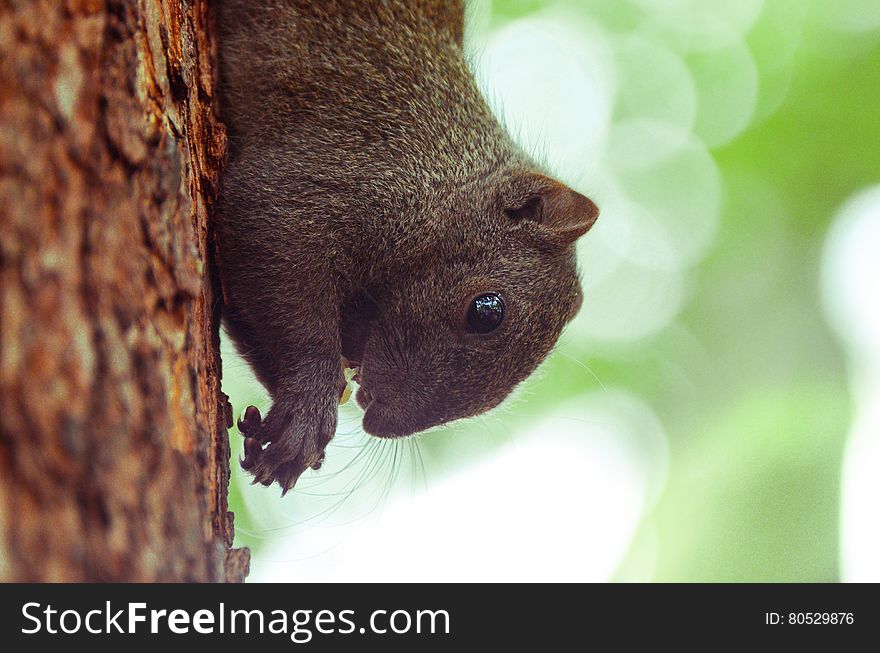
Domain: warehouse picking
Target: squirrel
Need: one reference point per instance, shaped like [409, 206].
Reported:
[373, 209]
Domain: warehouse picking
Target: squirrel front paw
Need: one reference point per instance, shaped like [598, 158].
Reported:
[286, 443]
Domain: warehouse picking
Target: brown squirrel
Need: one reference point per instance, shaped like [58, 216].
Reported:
[374, 209]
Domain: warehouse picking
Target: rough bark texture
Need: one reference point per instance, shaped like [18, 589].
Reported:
[114, 458]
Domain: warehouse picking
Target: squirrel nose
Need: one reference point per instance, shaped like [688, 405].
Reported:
[382, 423]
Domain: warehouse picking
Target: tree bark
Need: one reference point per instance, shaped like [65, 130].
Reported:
[114, 454]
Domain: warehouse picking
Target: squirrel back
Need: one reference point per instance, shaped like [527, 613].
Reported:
[370, 104]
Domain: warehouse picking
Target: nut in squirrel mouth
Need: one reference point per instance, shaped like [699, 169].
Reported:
[352, 372]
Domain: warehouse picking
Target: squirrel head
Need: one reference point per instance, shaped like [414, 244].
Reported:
[455, 336]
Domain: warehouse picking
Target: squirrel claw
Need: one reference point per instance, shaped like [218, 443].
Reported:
[284, 444]
[317, 464]
[287, 477]
[250, 422]
[252, 451]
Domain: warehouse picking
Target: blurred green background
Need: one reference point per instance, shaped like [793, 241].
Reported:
[692, 424]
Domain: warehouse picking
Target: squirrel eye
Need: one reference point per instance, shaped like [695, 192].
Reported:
[485, 313]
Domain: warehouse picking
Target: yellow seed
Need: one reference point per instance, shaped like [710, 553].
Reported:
[348, 373]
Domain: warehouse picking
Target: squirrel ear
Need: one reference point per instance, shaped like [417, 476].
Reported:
[565, 212]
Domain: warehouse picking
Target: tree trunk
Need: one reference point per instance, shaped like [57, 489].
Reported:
[114, 457]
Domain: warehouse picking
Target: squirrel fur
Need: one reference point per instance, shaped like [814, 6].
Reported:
[369, 197]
